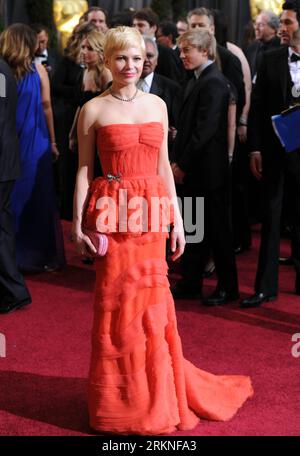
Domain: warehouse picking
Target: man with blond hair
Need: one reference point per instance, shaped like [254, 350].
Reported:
[228, 63]
[201, 166]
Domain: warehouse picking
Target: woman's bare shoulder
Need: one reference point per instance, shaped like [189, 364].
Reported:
[93, 110]
[96, 103]
[155, 101]
[154, 98]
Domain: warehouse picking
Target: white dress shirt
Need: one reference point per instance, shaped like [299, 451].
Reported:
[42, 58]
[146, 83]
[201, 68]
[295, 70]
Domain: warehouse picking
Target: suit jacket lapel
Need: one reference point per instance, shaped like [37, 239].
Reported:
[155, 89]
[285, 78]
[189, 87]
[193, 84]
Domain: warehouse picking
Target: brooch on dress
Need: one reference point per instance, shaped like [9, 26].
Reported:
[112, 177]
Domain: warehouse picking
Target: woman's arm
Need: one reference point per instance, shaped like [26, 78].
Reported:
[231, 129]
[86, 149]
[165, 171]
[46, 102]
[242, 128]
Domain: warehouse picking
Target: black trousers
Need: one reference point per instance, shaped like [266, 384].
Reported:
[217, 238]
[240, 192]
[273, 193]
[12, 285]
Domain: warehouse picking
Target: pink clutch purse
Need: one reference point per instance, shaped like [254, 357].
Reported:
[99, 241]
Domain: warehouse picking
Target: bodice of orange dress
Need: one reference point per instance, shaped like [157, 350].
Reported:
[139, 381]
[131, 185]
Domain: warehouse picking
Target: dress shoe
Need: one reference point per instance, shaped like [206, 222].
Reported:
[257, 300]
[241, 249]
[11, 306]
[186, 290]
[286, 261]
[219, 298]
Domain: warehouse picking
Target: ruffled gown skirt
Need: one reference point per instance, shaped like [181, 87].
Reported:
[139, 381]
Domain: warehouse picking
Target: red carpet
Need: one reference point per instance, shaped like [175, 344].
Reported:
[43, 377]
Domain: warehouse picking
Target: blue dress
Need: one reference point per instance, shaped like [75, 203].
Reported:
[39, 240]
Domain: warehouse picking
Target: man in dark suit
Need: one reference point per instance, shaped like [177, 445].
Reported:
[228, 63]
[167, 35]
[276, 89]
[201, 165]
[266, 29]
[159, 85]
[13, 291]
[47, 57]
[146, 21]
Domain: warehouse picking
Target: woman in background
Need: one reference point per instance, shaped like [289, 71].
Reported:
[39, 241]
[95, 77]
[64, 88]
[93, 82]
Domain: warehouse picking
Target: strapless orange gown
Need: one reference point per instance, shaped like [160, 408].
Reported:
[139, 381]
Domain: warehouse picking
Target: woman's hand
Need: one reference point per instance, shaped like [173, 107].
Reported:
[54, 152]
[83, 244]
[177, 241]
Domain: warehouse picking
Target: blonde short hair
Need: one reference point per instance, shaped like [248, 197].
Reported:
[96, 40]
[203, 39]
[121, 38]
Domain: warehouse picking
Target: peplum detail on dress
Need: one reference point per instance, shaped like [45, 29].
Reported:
[139, 381]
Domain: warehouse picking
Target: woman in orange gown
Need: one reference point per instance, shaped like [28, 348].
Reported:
[139, 381]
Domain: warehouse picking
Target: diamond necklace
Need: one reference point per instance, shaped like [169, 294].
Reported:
[124, 99]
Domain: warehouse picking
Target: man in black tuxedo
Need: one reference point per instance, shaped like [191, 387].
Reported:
[276, 89]
[201, 165]
[167, 35]
[13, 291]
[146, 21]
[228, 63]
[159, 85]
[47, 57]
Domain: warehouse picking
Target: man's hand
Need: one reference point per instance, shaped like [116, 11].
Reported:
[178, 174]
[256, 164]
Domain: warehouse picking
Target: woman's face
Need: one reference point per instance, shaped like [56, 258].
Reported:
[126, 65]
[88, 55]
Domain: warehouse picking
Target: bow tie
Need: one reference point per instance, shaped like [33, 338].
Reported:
[41, 55]
[295, 58]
